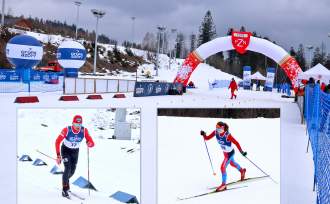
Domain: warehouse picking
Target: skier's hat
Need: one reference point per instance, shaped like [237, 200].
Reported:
[222, 124]
[77, 119]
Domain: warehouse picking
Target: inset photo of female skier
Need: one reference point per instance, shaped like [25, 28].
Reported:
[219, 155]
[84, 155]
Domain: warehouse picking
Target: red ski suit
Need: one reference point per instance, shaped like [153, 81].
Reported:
[233, 87]
[228, 156]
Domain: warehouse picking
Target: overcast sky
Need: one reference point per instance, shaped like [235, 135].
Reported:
[288, 22]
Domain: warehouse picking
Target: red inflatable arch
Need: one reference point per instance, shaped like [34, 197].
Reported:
[240, 41]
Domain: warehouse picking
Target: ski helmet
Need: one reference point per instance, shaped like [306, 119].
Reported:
[77, 119]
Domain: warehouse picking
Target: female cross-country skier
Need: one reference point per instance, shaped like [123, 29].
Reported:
[71, 136]
[225, 139]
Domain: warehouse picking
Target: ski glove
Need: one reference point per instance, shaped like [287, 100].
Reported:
[90, 144]
[203, 133]
[244, 153]
[58, 159]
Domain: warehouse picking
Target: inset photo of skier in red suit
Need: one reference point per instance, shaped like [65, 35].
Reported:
[218, 155]
[70, 138]
[79, 155]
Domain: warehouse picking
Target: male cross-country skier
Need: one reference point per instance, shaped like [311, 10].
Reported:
[225, 139]
[71, 136]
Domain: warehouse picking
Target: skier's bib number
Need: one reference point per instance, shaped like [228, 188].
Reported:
[226, 148]
[72, 145]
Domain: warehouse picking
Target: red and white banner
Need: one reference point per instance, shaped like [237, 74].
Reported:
[188, 66]
[291, 69]
[240, 41]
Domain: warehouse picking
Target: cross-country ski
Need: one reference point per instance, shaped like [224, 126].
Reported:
[209, 193]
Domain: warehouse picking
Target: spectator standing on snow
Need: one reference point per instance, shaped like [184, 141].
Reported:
[323, 86]
[327, 89]
[71, 137]
[233, 88]
[225, 140]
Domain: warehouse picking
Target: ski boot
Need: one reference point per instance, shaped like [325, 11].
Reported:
[222, 187]
[66, 190]
[243, 171]
[65, 194]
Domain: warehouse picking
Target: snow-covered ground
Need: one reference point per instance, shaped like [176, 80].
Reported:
[184, 168]
[114, 164]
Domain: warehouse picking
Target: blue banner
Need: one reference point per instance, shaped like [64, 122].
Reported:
[26, 74]
[10, 76]
[71, 72]
[156, 88]
[247, 77]
[270, 79]
[219, 84]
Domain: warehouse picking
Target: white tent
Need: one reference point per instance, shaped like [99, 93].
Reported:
[318, 72]
[258, 76]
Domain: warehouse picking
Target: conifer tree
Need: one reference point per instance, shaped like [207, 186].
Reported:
[207, 30]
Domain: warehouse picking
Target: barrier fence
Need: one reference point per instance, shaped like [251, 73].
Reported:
[91, 85]
[13, 81]
[36, 86]
[317, 116]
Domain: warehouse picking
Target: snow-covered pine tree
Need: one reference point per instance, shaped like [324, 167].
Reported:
[327, 62]
[319, 57]
[300, 57]
[207, 30]
[192, 42]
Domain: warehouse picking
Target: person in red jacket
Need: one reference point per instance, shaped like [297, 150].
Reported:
[225, 140]
[71, 137]
[233, 87]
[323, 86]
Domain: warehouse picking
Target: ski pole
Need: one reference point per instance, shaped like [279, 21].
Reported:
[261, 169]
[89, 190]
[45, 155]
[209, 157]
[308, 144]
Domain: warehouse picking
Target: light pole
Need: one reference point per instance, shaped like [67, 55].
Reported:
[310, 47]
[173, 31]
[98, 14]
[77, 3]
[133, 27]
[3, 13]
[161, 29]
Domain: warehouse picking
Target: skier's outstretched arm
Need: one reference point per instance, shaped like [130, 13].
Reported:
[207, 137]
[89, 140]
[232, 139]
